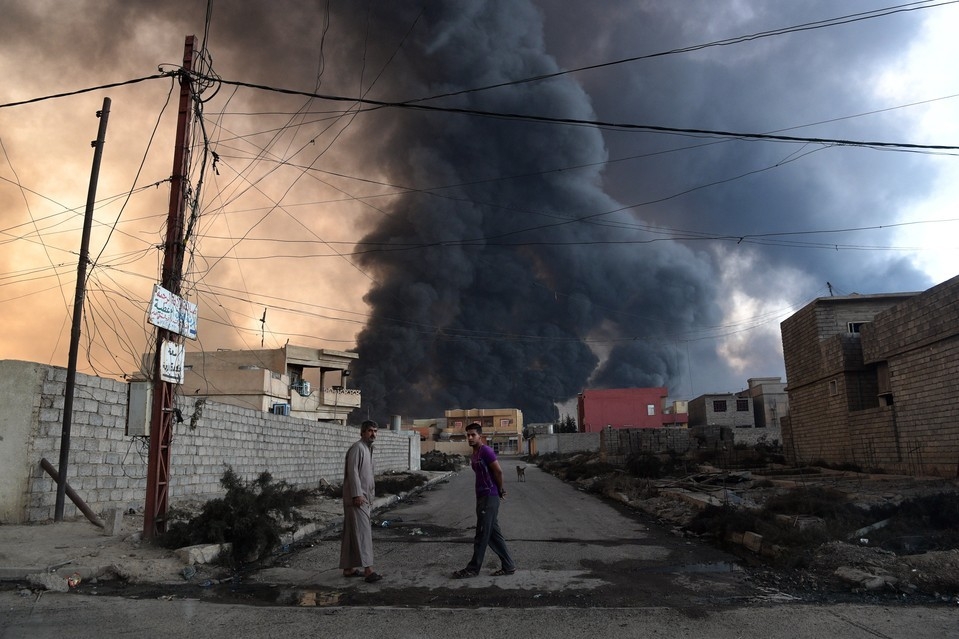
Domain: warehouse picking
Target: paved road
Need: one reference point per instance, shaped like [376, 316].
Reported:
[571, 548]
[66, 615]
[585, 569]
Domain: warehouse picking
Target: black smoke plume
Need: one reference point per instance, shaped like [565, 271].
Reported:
[488, 292]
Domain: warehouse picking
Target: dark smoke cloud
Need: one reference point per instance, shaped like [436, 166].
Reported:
[763, 85]
[489, 324]
[468, 307]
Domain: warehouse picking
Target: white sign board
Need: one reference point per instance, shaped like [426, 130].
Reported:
[172, 312]
[172, 357]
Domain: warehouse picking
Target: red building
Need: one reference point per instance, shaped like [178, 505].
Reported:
[621, 408]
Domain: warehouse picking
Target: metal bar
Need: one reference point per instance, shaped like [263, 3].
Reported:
[74, 497]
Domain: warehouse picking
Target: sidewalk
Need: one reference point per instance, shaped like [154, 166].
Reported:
[54, 555]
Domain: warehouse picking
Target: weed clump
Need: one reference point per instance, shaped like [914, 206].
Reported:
[434, 460]
[579, 467]
[251, 517]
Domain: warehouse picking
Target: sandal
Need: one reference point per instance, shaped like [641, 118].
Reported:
[465, 573]
[373, 577]
[355, 573]
[502, 572]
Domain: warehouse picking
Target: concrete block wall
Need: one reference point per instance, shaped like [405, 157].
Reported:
[711, 437]
[566, 443]
[818, 423]
[104, 466]
[108, 469]
[630, 441]
[926, 415]
[918, 340]
[816, 339]
[928, 318]
[873, 442]
[752, 436]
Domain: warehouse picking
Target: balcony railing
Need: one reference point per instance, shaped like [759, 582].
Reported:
[339, 398]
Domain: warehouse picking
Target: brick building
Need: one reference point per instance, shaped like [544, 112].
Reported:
[873, 381]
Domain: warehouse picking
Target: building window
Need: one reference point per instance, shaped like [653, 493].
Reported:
[719, 405]
[742, 405]
[853, 327]
[504, 424]
[833, 387]
[650, 409]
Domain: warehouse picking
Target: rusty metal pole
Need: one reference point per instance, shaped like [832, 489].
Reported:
[162, 419]
[104, 115]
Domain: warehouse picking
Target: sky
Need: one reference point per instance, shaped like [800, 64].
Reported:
[496, 203]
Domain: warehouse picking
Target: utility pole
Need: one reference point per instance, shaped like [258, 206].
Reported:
[104, 115]
[164, 402]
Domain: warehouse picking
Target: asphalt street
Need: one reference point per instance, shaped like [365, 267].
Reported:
[585, 568]
[571, 549]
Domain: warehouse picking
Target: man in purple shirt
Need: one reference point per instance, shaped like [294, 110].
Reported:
[489, 491]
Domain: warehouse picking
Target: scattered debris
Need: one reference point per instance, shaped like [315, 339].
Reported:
[49, 581]
[435, 460]
[314, 598]
[810, 525]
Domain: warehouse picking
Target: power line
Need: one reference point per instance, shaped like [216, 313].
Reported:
[831, 22]
[156, 76]
[626, 126]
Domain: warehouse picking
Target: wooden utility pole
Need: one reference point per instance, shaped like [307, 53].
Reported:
[104, 115]
[162, 419]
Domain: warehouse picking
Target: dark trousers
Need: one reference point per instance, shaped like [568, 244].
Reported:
[488, 534]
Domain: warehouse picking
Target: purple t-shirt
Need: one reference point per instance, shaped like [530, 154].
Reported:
[480, 462]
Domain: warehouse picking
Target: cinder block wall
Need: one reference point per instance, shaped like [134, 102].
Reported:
[919, 342]
[108, 469]
[566, 443]
[818, 353]
[619, 443]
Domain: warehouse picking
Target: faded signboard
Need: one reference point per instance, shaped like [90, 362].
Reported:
[172, 312]
[172, 357]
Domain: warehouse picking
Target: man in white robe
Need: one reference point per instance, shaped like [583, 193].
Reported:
[356, 550]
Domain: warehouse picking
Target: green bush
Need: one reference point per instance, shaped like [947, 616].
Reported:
[252, 516]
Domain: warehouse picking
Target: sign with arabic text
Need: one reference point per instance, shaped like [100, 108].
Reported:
[172, 358]
[172, 312]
